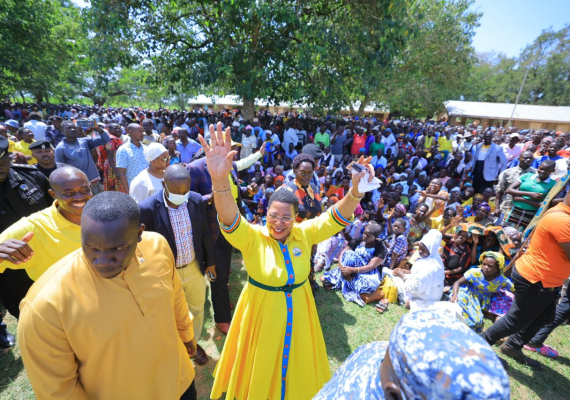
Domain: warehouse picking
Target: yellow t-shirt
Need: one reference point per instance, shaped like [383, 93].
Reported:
[85, 337]
[444, 144]
[54, 238]
[23, 148]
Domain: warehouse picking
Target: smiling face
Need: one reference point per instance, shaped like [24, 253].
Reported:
[280, 220]
[460, 238]
[304, 173]
[544, 171]
[71, 192]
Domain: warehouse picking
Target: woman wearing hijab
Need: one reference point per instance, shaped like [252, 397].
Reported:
[424, 284]
[275, 346]
[475, 290]
[358, 266]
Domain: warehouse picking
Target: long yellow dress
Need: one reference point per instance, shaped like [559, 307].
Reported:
[275, 347]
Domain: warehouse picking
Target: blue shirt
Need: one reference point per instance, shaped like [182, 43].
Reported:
[537, 161]
[79, 155]
[187, 152]
[132, 159]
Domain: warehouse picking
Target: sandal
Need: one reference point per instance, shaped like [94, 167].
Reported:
[382, 306]
[545, 350]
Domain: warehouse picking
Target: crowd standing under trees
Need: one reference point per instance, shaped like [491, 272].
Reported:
[442, 232]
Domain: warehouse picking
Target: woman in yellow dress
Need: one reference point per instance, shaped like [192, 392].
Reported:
[275, 347]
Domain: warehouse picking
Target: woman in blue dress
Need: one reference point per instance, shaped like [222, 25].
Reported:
[474, 291]
[358, 266]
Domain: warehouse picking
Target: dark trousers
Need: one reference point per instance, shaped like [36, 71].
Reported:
[220, 292]
[14, 284]
[533, 308]
[191, 393]
[479, 182]
[562, 314]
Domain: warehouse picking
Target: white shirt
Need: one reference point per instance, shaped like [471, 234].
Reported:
[290, 136]
[379, 161]
[144, 185]
[38, 128]
[513, 153]
[425, 284]
[328, 164]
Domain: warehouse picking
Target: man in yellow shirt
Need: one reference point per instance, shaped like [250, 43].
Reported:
[110, 320]
[26, 138]
[445, 144]
[36, 242]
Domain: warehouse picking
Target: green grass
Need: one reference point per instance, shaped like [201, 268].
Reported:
[345, 326]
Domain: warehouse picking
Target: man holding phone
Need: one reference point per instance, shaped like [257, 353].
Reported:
[76, 150]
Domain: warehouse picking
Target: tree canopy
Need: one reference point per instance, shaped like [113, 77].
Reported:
[407, 55]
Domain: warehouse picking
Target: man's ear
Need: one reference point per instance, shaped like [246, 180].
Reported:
[52, 193]
[141, 230]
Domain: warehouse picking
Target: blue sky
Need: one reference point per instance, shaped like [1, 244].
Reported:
[507, 26]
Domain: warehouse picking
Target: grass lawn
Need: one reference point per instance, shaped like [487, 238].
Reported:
[345, 326]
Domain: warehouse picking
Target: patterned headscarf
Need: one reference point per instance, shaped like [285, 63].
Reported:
[485, 206]
[504, 241]
[400, 208]
[438, 357]
[497, 256]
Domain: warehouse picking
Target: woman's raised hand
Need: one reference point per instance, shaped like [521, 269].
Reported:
[365, 162]
[219, 155]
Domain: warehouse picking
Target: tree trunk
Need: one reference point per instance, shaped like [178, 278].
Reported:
[363, 105]
[248, 109]
[39, 97]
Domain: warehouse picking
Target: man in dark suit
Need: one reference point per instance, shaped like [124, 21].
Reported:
[202, 183]
[180, 216]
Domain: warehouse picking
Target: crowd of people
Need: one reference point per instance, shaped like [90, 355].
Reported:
[445, 232]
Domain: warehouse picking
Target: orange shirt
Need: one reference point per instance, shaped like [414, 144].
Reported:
[545, 260]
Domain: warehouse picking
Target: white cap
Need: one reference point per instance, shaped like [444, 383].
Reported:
[153, 151]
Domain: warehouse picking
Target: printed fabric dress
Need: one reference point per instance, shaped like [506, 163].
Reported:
[475, 297]
[366, 282]
[110, 181]
[275, 347]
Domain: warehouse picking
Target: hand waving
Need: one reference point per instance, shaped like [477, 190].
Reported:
[219, 156]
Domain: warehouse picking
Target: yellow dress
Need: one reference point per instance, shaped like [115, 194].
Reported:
[275, 347]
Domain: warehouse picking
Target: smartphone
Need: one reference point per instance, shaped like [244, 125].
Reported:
[85, 123]
[357, 167]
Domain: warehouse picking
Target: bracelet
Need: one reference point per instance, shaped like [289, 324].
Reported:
[221, 192]
[353, 196]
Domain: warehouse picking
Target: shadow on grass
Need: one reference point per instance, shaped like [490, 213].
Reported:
[546, 383]
[10, 368]
[334, 319]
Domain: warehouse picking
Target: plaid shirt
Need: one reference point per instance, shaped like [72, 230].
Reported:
[397, 246]
[182, 228]
[54, 135]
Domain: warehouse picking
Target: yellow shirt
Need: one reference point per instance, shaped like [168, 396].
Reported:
[85, 337]
[253, 357]
[444, 144]
[22, 147]
[11, 145]
[54, 238]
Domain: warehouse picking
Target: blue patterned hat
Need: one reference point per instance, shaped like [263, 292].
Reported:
[438, 357]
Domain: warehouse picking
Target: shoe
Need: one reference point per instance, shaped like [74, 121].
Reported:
[519, 356]
[200, 358]
[8, 341]
[223, 327]
[544, 350]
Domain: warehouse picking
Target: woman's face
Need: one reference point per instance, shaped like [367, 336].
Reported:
[346, 184]
[280, 228]
[544, 172]
[487, 193]
[421, 212]
[448, 215]
[481, 213]
[489, 266]
[434, 186]
[278, 184]
[399, 189]
[460, 238]
[424, 252]
[517, 240]
[171, 144]
[268, 181]
[477, 202]
[398, 213]
[468, 193]
[368, 237]
[490, 241]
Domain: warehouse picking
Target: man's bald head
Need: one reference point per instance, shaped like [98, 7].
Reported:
[177, 173]
[65, 174]
[133, 127]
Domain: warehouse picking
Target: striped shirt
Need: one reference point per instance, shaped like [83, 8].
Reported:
[182, 228]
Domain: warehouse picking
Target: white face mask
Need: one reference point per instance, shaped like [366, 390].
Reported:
[177, 199]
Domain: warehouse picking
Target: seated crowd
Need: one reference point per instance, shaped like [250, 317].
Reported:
[440, 231]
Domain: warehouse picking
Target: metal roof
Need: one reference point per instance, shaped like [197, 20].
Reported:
[503, 111]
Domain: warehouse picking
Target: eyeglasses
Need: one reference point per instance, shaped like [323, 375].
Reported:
[165, 159]
[305, 174]
[276, 217]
